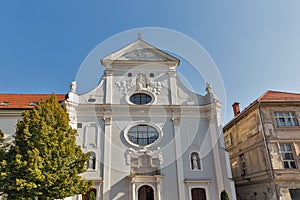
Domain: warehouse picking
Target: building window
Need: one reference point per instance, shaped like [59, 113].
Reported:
[91, 164]
[286, 119]
[287, 156]
[140, 98]
[195, 161]
[198, 194]
[79, 125]
[295, 194]
[228, 140]
[142, 134]
[243, 164]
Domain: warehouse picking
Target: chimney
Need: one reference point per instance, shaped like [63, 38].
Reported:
[236, 108]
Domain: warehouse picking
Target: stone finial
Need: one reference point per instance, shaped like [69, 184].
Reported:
[73, 87]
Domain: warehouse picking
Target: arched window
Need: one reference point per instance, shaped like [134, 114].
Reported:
[146, 193]
[195, 161]
[142, 134]
[91, 164]
[198, 194]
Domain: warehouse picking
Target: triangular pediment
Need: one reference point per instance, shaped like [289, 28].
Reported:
[139, 53]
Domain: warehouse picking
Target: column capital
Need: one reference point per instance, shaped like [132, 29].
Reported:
[172, 73]
[176, 120]
[108, 72]
[107, 120]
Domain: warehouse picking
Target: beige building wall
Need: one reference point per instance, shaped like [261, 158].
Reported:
[253, 139]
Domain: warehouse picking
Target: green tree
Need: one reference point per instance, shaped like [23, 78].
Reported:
[224, 195]
[44, 160]
[3, 163]
[92, 196]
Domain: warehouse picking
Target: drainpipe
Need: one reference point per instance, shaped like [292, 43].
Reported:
[266, 148]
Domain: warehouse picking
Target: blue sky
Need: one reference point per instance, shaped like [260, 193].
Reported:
[255, 44]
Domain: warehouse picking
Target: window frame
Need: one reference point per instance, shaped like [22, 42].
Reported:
[286, 152]
[287, 117]
[158, 130]
[141, 93]
[192, 183]
[243, 165]
[228, 140]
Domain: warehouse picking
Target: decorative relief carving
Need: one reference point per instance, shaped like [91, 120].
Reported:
[141, 83]
[125, 86]
[140, 54]
[155, 87]
[144, 162]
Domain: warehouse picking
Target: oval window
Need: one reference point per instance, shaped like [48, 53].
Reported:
[140, 98]
[142, 134]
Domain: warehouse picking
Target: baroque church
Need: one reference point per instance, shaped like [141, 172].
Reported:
[149, 137]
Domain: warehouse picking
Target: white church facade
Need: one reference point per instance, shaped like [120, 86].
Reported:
[149, 137]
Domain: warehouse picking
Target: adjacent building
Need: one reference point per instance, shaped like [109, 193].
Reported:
[264, 146]
[12, 106]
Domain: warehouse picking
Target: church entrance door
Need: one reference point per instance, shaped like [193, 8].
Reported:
[146, 193]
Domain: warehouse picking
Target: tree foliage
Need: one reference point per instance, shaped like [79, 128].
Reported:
[224, 195]
[3, 162]
[45, 161]
[92, 196]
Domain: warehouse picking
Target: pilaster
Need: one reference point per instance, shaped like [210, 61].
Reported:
[107, 156]
[178, 156]
[173, 88]
[108, 90]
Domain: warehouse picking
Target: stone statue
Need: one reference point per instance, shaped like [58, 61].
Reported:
[195, 162]
[140, 82]
[208, 88]
[73, 87]
[91, 164]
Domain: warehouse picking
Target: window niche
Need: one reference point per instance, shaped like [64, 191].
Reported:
[91, 163]
[195, 161]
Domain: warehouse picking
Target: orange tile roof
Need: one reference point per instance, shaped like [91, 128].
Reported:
[279, 96]
[268, 96]
[24, 101]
